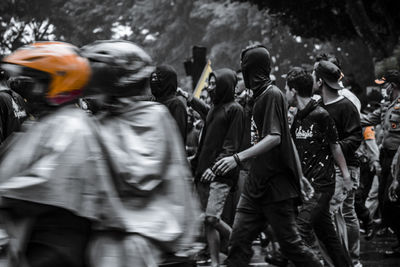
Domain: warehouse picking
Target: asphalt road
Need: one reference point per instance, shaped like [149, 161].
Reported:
[372, 254]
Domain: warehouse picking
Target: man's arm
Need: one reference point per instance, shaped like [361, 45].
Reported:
[266, 144]
[372, 150]
[198, 105]
[271, 106]
[341, 163]
[371, 119]
[353, 134]
[307, 191]
[232, 141]
[394, 186]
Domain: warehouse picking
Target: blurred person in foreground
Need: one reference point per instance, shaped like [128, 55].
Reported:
[98, 191]
[164, 85]
[315, 136]
[35, 165]
[273, 188]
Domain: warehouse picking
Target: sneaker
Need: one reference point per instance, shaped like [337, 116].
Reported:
[370, 231]
[358, 264]
[276, 259]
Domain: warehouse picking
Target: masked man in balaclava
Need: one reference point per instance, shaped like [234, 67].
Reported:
[163, 84]
[273, 188]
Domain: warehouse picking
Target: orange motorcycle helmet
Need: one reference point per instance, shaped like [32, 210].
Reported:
[56, 66]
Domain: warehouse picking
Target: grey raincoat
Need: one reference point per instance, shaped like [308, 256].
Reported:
[126, 170]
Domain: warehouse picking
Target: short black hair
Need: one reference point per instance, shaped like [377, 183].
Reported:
[299, 79]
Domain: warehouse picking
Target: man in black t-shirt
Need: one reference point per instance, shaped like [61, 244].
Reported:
[273, 188]
[347, 120]
[315, 136]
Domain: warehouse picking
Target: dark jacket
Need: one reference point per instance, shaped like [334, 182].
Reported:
[164, 84]
[12, 113]
[223, 130]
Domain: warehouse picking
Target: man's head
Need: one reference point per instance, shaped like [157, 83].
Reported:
[163, 81]
[47, 73]
[221, 86]
[256, 66]
[300, 83]
[390, 82]
[120, 68]
[328, 75]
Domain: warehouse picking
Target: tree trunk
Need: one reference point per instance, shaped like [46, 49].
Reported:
[363, 26]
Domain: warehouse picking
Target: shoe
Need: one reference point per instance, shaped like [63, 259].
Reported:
[276, 259]
[382, 232]
[370, 232]
[358, 264]
[394, 252]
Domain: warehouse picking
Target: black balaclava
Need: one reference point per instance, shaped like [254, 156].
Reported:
[163, 82]
[256, 68]
[226, 80]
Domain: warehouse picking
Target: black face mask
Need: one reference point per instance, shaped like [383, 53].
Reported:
[256, 69]
[155, 85]
[224, 91]
[163, 82]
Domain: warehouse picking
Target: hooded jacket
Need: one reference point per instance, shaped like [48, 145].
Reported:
[223, 130]
[12, 112]
[163, 84]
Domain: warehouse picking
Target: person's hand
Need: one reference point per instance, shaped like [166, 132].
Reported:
[185, 94]
[347, 183]
[376, 167]
[307, 191]
[208, 176]
[223, 166]
[392, 190]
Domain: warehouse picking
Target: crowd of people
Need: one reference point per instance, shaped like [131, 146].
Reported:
[105, 161]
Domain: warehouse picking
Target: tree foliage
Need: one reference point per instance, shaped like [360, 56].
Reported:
[169, 28]
[375, 22]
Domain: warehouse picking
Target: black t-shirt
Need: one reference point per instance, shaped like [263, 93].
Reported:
[313, 130]
[347, 121]
[273, 175]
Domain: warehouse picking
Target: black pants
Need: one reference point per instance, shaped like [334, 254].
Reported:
[315, 217]
[390, 210]
[386, 158]
[250, 220]
[366, 179]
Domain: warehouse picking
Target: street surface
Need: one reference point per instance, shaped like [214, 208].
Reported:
[371, 254]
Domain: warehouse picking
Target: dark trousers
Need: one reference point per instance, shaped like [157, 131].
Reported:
[315, 217]
[366, 179]
[251, 218]
[386, 158]
[390, 210]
